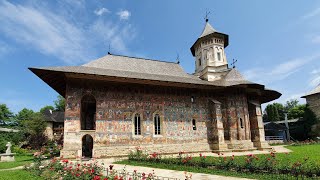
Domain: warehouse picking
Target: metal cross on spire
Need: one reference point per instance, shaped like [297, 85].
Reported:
[233, 64]
[178, 59]
[109, 52]
[206, 18]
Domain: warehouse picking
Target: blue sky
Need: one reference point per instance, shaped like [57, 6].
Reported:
[275, 42]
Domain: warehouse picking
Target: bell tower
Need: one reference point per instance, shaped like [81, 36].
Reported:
[209, 52]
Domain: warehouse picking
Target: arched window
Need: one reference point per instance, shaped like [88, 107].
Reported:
[137, 124]
[88, 112]
[157, 125]
[194, 127]
[219, 56]
[241, 123]
[87, 145]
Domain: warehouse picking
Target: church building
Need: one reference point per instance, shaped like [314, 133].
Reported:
[117, 103]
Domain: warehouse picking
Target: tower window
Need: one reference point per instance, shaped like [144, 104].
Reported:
[241, 123]
[194, 127]
[219, 56]
[137, 124]
[199, 61]
[157, 126]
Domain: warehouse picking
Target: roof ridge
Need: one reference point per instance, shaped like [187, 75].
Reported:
[143, 58]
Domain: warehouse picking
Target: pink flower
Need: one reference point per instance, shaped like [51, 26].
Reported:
[37, 154]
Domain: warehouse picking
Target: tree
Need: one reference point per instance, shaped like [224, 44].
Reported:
[60, 103]
[42, 110]
[311, 123]
[33, 128]
[5, 113]
[291, 104]
[297, 111]
[272, 113]
[24, 114]
[280, 110]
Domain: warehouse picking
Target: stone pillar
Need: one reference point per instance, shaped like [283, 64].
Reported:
[72, 143]
[256, 125]
[218, 143]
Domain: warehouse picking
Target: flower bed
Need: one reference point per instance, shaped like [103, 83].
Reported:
[63, 169]
[251, 163]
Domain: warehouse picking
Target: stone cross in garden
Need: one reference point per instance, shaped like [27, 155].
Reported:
[8, 145]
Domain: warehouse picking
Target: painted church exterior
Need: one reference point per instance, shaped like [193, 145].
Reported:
[116, 103]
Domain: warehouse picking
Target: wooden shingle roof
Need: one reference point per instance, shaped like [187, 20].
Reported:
[144, 71]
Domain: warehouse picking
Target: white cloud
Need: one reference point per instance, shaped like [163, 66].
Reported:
[315, 78]
[47, 32]
[4, 48]
[116, 36]
[311, 14]
[315, 39]
[124, 14]
[278, 72]
[101, 11]
[59, 35]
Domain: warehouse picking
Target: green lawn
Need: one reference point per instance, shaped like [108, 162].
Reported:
[18, 174]
[300, 153]
[20, 161]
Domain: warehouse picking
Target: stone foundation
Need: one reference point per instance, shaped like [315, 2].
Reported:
[7, 157]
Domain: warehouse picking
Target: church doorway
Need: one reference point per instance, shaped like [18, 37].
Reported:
[87, 146]
[88, 112]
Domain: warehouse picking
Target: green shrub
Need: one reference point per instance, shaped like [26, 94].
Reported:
[14, 137]
[20, 151]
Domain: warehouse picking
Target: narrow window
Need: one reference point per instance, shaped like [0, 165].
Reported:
[137, 125]
[199, 60]
[219, 56]
[157, 126]
[241, 123]
[88, 111]
[192, 99]
[194, 127]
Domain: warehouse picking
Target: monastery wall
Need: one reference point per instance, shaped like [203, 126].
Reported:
[314, 103]
[117, 105]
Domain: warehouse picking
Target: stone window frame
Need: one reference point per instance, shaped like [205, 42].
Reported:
[161, 124]
[133, 125]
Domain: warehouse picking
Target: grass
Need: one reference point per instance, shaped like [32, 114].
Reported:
[18, 174]
[20, 161]
[299, 154]
[303, 151]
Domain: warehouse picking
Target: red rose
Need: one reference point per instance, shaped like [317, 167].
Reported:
[96, 178]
